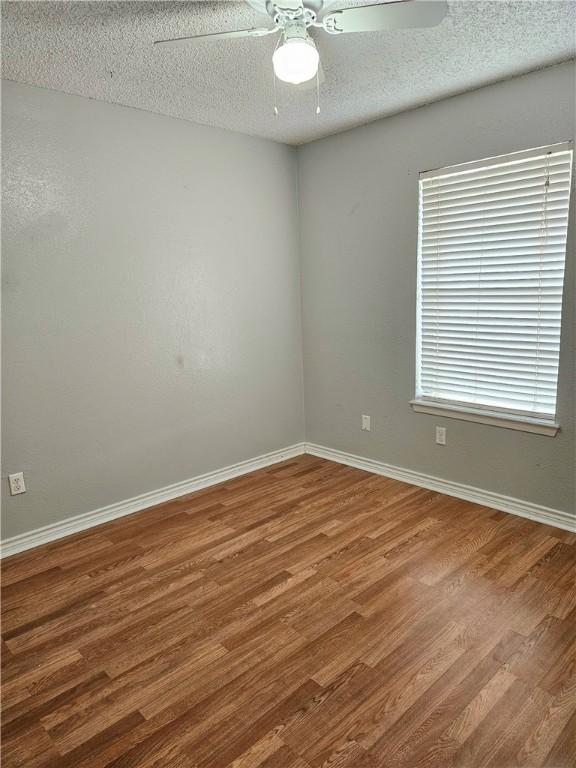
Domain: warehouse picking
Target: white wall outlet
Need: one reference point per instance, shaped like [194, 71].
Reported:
[440, 435]
[366, 423]
[17, 484]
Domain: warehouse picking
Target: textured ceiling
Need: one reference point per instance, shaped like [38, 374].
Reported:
[104, 50]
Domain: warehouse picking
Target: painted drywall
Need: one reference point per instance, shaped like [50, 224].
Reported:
[359, 211]
[151, 302]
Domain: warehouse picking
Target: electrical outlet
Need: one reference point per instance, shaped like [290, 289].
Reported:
[366, 423]
[17, 484]
[440, 435]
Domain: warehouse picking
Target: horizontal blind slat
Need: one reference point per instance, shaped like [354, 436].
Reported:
[491, 218]
[491, 378]
[513, 209]
[476, 387]
[531, 242]
[494, 169]
[511, 261]
[448, 178]
[512, 203]
[505, 404]
[439, 197]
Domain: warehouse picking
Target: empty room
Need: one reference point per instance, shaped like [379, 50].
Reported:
[288, 384]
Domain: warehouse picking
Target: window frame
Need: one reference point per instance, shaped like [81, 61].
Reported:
[490, 415]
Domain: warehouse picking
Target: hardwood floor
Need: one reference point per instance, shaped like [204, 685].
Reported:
[305, 615]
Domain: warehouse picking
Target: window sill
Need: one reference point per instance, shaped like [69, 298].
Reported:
[492, 418]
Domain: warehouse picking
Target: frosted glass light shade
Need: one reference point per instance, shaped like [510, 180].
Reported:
[296, 61]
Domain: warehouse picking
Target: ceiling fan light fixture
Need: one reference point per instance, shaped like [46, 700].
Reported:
[296, 60]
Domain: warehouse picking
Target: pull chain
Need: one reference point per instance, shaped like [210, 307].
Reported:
[275, 104]
[276, 113]
[318, 91]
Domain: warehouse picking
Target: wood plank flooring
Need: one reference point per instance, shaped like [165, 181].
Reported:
[305, 615]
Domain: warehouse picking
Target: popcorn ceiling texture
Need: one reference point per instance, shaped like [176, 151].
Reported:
[103, 50]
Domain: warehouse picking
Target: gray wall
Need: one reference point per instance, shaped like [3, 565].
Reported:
[359, 208]
[151, 302]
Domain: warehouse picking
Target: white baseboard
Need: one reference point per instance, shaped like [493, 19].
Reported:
[540, 514]
[87, 520]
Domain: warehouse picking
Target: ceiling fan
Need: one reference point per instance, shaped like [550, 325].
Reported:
[296, 58]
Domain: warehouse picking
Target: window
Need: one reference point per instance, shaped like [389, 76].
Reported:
[492, 247]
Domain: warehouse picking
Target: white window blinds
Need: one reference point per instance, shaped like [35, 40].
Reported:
[492, 246]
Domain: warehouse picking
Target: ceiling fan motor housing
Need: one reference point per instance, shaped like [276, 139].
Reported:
[296, 30]
[285, 18]
[272, 7]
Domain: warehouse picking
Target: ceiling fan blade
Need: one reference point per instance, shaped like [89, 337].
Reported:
[216, 36]
[288, 5]
[396, 15]
[271, 7]
[258, 5]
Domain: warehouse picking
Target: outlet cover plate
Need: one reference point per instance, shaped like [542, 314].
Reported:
[17, 484]
[440, 435]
